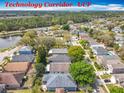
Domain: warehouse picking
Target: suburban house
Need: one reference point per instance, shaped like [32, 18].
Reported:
[23, 58]
[118, 79]
[119, 39]
[25, 50]
[99, 51]
[3, 88]
[106, 60]
[117, 30]
[116, 68]
[13, 74]
[21, 67]
[52, 81]
[59, 67]
[11, 80]
[83, 35]
[58, 64]
[58, 51]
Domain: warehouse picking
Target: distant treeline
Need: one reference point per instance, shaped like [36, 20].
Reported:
[54, 18]
[37, 21]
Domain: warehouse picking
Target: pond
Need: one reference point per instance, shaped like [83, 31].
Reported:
[9, 41]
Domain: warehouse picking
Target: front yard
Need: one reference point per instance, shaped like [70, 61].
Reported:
[20, 91]
[106, 76]
[98, 67]
[115, 89]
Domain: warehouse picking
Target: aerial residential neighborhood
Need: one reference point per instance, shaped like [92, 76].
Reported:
[62, 52]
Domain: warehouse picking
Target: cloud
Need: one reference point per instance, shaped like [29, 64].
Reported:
[94, 7]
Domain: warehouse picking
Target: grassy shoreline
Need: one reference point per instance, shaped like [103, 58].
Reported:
[11, 33]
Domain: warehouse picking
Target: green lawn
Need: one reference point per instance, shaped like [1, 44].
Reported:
[19, 91]
[98, 67]
[106, 76]
[30, 91]
[115, 89]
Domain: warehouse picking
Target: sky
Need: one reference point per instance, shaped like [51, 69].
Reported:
[96, 5]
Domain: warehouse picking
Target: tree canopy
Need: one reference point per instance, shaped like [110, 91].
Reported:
[40, 69]
[76, 53]
[29, 38]
[66, 27]
[12, 24]
[84, 43]
[41, 55]
[82, 73]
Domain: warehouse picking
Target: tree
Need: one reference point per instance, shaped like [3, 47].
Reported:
[76, 53]
[106, 38]
[41, 55]
[7, 59]
[82, 73]
[110, 26]
[65, 27]
[122, 26]
[59, 43]
[121, 52]
[116, 47]
[29, 38]
[40, 69]
[48, 42]
[84, 43]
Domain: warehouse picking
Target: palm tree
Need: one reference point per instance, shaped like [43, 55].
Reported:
[7, 59]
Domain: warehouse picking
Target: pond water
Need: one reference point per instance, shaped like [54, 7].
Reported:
[9, 41]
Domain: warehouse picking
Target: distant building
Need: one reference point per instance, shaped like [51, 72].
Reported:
[25, 50]
[53, 81]
[23, 58]
[119, 39]
[58, 51]
[117, 30]
[83, 35]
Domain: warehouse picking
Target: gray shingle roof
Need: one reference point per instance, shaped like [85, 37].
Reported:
[120, 77]
[59, 58]
[59, 80]
[110, 59]
[23, 58]
[121, 65]
[100, 51]
[26, 48]
[59, 67]
[58, 51]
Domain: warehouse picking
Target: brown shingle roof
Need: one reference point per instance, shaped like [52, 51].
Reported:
[8, 78]
[17, 67]
[59, 67]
